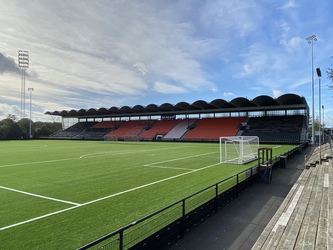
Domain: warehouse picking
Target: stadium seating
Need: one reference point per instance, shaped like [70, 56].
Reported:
[214, 128]
[130, 130]
[108, 124]
[93, 133]
[73, 131]
[98, 130]
[282, 129]
[160, 127]
[180, 129]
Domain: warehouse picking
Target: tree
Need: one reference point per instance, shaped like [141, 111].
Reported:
[10, 130]
[24, 124]
[45, 129]
[12, 117]
[330, 76]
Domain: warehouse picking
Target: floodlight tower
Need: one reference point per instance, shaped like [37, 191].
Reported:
[23, 60]
[323, 123]
[319, 98]
[30, 90]
[310, 40]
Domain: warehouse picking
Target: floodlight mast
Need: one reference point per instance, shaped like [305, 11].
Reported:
[319, 90]
[23, 61]
[323, 123]
[30, 90]
[310, 40]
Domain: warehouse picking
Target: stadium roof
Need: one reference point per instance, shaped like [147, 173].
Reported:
[239, 104]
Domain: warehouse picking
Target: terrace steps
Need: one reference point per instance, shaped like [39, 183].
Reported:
[305, 218]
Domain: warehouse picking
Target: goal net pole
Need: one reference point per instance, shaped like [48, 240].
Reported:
[238, 149]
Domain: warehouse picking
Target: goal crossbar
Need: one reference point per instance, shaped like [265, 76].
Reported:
[238, 149]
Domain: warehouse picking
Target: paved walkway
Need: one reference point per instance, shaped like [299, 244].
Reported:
[241, 223]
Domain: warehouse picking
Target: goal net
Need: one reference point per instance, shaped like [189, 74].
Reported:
[238, 149]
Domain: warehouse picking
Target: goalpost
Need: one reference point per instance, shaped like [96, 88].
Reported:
[238, 149]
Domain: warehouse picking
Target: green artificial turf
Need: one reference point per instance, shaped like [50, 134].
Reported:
[65, 194]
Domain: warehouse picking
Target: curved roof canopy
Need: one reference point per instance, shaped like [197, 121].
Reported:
[239, 104]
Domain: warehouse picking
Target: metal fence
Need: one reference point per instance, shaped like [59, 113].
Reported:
[170, 223]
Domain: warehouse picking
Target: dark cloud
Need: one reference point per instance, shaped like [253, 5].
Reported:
[8, 65]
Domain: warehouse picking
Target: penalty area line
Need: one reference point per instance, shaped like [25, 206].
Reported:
[37, 218]
[106, 197]
[185, 169]
[40, 196]
[149, 184]
[177, 159]
[37, 162]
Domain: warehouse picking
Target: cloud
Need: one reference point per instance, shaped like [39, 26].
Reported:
[255, 61]
[6, 109]
[165, 88]
[141, 67]
[228, 94]
[232, 17]
[292, 43]
[289, 4]
[8, 65]
[214, 90]
[277, 93]
[107, 52]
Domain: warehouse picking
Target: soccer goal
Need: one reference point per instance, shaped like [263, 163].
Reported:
[238, 149]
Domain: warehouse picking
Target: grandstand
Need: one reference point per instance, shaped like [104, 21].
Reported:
[281, 120]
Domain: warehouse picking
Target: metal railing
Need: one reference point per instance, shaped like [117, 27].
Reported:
[170, 223]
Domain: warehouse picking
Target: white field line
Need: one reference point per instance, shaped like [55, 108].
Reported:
[155, 166]
[84, 156]
[149, 184]
[111, 153]
[40, 196]
[37, 162]
[106, 197]
[177, 159]
[125, 152]
[37, 218]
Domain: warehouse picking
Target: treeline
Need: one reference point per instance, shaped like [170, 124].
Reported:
[10, 129]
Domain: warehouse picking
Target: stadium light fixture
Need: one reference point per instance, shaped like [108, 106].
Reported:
[319, 98]
[310, 40]
[23, 61]
[30, 90]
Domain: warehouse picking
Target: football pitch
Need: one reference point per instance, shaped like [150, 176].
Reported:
[65, 194]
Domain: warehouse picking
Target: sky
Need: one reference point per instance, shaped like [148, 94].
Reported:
[91, 54]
